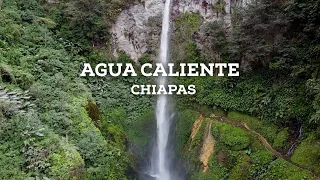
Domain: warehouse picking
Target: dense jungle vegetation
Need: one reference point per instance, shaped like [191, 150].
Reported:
[56, 125]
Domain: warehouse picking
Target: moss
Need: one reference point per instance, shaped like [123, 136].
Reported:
[140, 132]
[116, 136]
[184, 125]
[281, 139]
[81, 120]
[232, 137]
[308, 154]
[268, 130]
[115, 116]
[66, 162]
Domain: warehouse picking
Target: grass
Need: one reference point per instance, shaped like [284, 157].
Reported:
[267, 130]
[233, 138]
[308, 154]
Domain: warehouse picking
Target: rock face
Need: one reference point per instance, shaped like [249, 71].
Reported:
[140, 25]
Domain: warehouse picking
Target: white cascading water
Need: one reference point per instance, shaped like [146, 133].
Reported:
[160, 159]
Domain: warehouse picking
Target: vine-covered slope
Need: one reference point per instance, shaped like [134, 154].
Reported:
[56, 125]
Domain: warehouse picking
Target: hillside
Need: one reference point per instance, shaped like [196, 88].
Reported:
[55, 124]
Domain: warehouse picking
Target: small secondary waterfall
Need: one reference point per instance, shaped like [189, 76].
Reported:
[160, 161]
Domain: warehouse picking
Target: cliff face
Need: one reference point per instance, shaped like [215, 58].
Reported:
[138, 27]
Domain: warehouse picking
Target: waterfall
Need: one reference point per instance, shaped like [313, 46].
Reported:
[160, 161]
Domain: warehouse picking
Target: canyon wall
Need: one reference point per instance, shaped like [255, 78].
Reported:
[138, 27]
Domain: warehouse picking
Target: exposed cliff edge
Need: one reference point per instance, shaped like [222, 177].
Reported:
[136, 28]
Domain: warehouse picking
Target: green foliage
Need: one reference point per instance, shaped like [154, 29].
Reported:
[183, 128]
[275, 43]
[281, 169]
[241, 170]
[261, 158]
[140, 132]
[11, 158]
[233, 138]
[66, 162]
[47, 66]
[313, 88]
[188, 22]
[266, 129]
[10, 161]
[116, 136]
[114, 98]
[86, 22]
[281, 139]
[79, 128]
[308, 153]
[219, 7]
[183, 49]
[214, 41]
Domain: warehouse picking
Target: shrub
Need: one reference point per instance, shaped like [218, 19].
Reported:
[281, 169]
[66, 162]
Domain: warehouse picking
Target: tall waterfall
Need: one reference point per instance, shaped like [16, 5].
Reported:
[160, 158]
